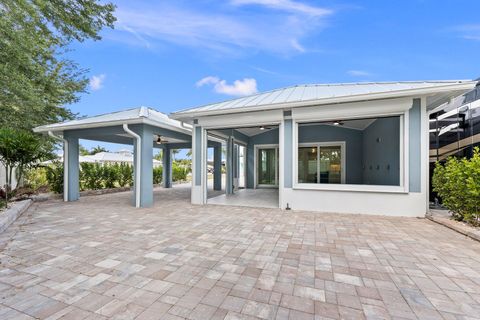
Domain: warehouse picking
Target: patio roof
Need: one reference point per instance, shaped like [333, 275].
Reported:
[138, 115]
[320, 94]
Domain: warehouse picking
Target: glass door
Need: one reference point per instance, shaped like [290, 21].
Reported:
[267, 166]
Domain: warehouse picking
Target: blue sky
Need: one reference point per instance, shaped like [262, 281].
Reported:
[176, 54]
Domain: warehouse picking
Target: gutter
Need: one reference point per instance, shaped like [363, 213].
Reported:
[138, 163]
[65, 163]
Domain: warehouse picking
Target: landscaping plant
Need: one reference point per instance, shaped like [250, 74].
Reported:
[457, 182]
[157, 175]
[54, 173]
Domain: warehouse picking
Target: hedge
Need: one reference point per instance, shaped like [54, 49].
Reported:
[457, 182]
[94, 176]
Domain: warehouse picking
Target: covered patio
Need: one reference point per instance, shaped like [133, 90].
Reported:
[144, 128]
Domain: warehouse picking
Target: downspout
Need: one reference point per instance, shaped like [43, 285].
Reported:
[65, 163]
[138, 163]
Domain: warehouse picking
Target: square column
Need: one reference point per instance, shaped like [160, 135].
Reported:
[71, 169]
[143, 165]
[230, 166]
[217, 167]
[167, 167]
[199, 150]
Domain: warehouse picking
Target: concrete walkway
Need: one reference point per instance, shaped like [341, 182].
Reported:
[100, 258]
[259, 198]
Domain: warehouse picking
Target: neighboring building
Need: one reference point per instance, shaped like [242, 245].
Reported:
[3, 177]
[121, 156]
[347, 148]
[455, 129]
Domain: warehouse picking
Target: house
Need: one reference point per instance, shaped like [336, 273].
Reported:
[454, 129]
[116, 157]
[348, 148]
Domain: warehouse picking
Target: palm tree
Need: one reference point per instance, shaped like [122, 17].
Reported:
[174, 152]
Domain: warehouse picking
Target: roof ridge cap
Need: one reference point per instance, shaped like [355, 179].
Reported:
[143, 112]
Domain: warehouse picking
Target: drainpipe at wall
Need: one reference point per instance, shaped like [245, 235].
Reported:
[65, 163]
[138, 163]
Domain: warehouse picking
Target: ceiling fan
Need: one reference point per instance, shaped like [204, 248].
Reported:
[264, 128]
[161, 140]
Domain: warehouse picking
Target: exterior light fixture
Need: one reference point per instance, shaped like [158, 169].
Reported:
[337, 123]
[262, 128]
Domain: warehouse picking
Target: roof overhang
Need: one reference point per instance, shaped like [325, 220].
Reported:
[438, 95]
[102, 124]
[141, 115]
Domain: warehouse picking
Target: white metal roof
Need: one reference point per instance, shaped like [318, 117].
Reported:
[317, 94]
[130, 116]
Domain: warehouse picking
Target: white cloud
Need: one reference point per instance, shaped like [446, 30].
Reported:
[359, 73]
[286, 5]
[230, 28]
[242, 87]
[96, 82]
[469, 31]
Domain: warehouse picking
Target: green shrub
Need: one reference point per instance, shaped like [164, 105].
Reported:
[36, 178]
[125, 175]
[157, 175]
[457, 182]
[110, 173]
[54, 175]
[91, 176]
[179, 172]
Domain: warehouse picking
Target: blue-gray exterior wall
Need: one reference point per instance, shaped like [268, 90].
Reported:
[381, 152]
[73, 166]
[229, 166]
[217, 167]
[198, 155]
[414, 154]
[167, 167]
[146, 164]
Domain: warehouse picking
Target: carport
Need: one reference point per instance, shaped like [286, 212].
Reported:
[142, 127]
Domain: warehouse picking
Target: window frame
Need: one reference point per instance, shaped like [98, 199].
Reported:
[257, 148]
[403, 187]
[318, 146]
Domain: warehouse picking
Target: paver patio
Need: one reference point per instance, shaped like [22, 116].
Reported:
[100, 258]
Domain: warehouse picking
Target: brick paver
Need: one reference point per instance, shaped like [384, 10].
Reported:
[99, 258]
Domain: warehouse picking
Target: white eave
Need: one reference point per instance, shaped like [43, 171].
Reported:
[323, 94]
[140, 115]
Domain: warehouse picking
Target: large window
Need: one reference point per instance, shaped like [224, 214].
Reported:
[351, 151]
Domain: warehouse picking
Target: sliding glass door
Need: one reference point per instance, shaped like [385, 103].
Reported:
[321, 163]
[267, 166]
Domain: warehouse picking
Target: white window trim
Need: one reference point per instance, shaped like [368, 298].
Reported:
[255, 160]
[318, 146]
[404, 158]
